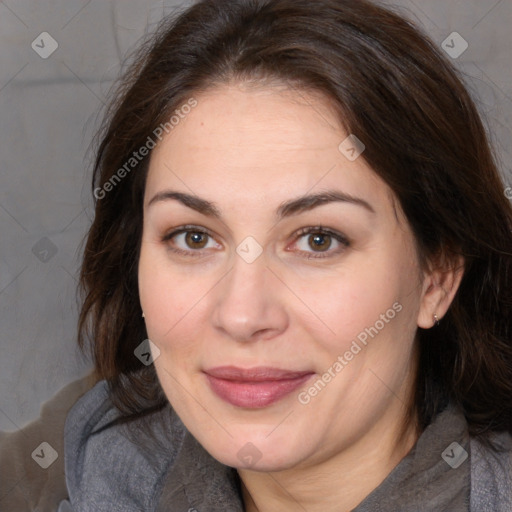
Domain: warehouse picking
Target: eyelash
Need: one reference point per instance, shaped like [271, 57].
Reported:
[186, 229]
[317, 230]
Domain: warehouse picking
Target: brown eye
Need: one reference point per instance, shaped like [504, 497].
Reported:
[189, 240]
[319, 241]
[196, 240]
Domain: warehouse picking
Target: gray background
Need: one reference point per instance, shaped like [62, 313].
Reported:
[49, 110]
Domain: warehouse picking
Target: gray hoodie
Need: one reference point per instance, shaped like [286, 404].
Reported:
[121, 469]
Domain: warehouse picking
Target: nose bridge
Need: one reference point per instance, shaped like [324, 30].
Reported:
[248, 302]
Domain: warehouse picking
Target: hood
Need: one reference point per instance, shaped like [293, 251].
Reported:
[123, 469]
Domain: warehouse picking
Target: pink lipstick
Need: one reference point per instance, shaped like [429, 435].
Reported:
[254, 387]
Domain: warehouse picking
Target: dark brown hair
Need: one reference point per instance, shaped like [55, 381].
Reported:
[395, 90]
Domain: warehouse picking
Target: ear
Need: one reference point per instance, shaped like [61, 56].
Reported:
[440, 285]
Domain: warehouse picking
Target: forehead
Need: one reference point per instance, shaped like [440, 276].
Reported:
[260, 143]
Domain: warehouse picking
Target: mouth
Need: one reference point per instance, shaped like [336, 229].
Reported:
[254, 388]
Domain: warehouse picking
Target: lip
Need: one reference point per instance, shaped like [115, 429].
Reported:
[254, 388]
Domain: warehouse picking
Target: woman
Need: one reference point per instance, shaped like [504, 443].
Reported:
[298, 206]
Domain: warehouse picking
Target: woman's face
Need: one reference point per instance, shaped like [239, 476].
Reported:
[279, 282]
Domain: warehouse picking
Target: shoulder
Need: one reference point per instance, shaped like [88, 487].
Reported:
[491, 474]
[109, 469]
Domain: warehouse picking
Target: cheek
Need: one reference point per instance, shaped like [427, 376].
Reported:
[371, 300]
[340, 306]
[168, 298]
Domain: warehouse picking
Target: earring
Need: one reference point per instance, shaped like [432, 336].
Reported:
[143, 316]
[436, 320]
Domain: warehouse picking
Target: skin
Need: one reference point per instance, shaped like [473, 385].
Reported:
[249, 149]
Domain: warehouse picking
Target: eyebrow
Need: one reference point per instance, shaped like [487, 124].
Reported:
[287, 209]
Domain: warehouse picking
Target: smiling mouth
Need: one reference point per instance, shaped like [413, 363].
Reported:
[254, 388]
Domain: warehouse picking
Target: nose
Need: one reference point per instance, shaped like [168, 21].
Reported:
[249, 306]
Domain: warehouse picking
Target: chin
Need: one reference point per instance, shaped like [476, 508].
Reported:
[257, 451]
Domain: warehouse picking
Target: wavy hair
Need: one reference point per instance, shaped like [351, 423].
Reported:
[424, 137]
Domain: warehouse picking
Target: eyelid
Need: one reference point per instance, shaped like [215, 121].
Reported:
[184, 229]
[339, 237]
